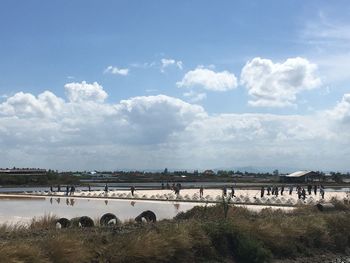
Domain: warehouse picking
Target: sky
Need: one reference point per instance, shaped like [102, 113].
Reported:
[193, 84]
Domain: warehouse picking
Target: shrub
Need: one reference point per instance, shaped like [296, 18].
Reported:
[228, 240]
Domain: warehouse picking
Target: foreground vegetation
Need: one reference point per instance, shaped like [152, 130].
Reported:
[202, 234]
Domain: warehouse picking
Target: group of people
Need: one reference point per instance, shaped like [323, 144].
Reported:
[300, 190]
[175, 187]
[224, 191]
[69, 189]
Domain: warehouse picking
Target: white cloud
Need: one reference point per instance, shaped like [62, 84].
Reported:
[165, 62]
[27, 105]
[77, 92]
[209, 80]
[195, 96]
[86, 132]
[144, 65]
[277, 84]
[116, 71]
[342, 110]
[324, 31]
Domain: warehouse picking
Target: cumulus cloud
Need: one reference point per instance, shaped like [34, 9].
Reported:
[195, 96]
[116, 71]
[208, 79]
[86, 132]
[27, 105]
[166, 62]
[277, 84]
[342, 110]
[78, 92]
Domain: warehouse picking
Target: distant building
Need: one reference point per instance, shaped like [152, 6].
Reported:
[301, 177]
[22, 171]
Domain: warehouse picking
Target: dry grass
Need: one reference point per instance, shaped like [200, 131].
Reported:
[21, 252]
[65, 248]
[201, 234]
[45, 222]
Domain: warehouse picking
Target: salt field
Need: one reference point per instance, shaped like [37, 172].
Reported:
[22, 207]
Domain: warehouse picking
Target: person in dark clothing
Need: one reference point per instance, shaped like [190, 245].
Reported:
[89, 188]
[67, 190]
[282, 189]
[51, 188]
[322, 192]
[315, 189]
[72, 190]
[290, 190]
[232, 192]
[262, 192]
[179, 186]
[106, 188]
[162, 185]
[309, 188]
[276, 191]
[201, 191]
[268, 190]
[132, 189]
[224, 191]
[299, 193]
[303, 193]
[58, 188]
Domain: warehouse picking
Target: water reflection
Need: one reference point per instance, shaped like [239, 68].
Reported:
[69, 201]
[177, 207]
[23, 210]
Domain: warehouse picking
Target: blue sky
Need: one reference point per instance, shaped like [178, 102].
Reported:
[194, 51]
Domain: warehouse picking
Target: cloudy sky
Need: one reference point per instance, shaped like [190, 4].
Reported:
[180, 84]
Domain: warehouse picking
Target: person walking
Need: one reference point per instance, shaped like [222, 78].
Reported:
[303, 194]
[72, 190]
[201, 191]
[322, 193]
[290, 190]
[232, 191]
[106, 188]
[132, 189]
[224, 191]
[282, 189]
[262, 191]
[309, 189]
[315, 189]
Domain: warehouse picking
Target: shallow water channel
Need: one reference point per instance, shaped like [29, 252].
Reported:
[22, 210]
